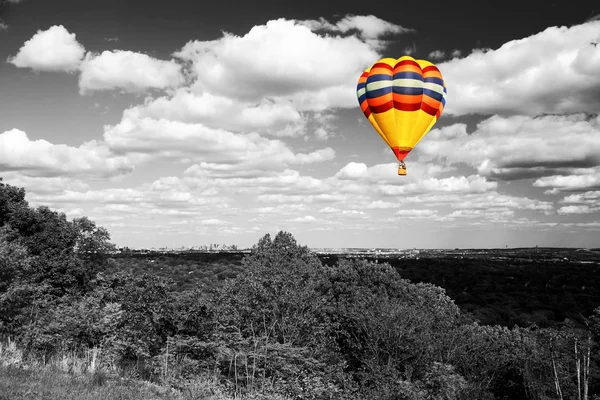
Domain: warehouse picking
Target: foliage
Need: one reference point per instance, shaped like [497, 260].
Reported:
[278, 323]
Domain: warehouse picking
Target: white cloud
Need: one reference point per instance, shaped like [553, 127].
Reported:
[460, 184]
[288, 181]
[213, 222]
[589, 198]
[43, 185]
[554, 71]
[54, 49]
[259, 64]
[353, 170]
[276, 118]
[579, 209]
[305, 219]
[415, 213]
[368, 26]
[437, 55]
[42, 158]
[586, 179]
[216, 151]
[501, 147]
[127, 70]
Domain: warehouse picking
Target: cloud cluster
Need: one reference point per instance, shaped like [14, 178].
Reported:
[57, 50]
[42, 158]
[554, 71]
[368, 27]
[581, 203]
[283, 59]
[217, 151]
[54, 49]
[268, 117]
[502, 147]
[232, 112]
[129, 71]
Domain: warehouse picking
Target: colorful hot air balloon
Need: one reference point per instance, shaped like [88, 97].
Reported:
[402, 99]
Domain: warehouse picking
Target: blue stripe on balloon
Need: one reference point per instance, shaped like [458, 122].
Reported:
[408, 90]
[379, 77]
[434, 80]
[408, 75]
[433, 94]
[372, 94]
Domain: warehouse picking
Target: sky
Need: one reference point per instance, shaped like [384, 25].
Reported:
[185, 123]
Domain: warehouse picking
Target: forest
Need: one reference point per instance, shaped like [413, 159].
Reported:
[283, 323]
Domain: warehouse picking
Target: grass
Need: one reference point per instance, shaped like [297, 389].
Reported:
[71, 377]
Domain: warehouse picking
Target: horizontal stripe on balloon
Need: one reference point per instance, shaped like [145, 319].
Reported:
[378, 78]
[364, 106]
[408, 75]
[374, 85]
[372, 94]
[433, 79]
[408, 83]
[377, 101]
[403, 98]
[428, 109]
[382, 108]
[407, 67]
[382, 66]
[361, 91]
[433, 94]
[407, 106]
[433, 86]
[408, 62]
[413, 91]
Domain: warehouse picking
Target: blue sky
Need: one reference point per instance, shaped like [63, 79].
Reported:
[179, 125]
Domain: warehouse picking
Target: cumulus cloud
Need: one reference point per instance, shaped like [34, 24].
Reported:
[437, 55]
[554, 71]
[276, 118]
[128, 71]
[581, 180]
[288, 181]
[460, 184]
[215, 150]
[581, 203]
[260, 64]
[415, 213]
[305, 219]
[42, 158]
[501, 147]
[368, 26]
[54, 49]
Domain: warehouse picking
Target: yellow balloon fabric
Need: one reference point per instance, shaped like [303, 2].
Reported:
[402, 98]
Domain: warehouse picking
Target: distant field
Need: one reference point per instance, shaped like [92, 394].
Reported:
[497, 286]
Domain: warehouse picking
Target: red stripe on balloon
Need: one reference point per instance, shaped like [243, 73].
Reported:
[407, 106]
[428, 109]
[382, 108]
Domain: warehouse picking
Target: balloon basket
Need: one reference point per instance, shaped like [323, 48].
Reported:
[401, 170]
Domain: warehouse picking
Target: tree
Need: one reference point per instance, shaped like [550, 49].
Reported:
[11, 198]
[274, 322]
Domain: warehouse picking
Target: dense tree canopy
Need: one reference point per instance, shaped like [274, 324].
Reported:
[285, 324]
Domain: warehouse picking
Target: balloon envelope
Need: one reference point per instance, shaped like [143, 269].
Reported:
[402, 98]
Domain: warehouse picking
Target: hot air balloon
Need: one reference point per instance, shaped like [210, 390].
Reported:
[402, 98]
